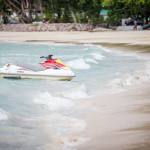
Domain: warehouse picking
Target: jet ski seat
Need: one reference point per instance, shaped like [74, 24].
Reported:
[35, 68]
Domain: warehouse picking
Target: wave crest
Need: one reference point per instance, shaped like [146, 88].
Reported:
[79, 64]
[80, 92]
[3, 115]
[53, 103]
[98, 56]
[130, 80]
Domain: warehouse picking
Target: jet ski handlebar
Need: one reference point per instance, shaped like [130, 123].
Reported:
[49, 57]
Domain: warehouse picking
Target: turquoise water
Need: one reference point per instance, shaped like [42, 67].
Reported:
[41, 114]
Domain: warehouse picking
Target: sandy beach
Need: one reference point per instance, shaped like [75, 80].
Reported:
[122, 120]
[134, 37]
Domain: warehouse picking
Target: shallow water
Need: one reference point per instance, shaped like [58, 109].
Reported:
[41, 114]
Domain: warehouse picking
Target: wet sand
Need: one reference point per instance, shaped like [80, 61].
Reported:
[142, 49]
[122, 120]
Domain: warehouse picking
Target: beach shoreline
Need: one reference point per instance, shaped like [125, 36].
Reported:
[122, 120]
[136, 41]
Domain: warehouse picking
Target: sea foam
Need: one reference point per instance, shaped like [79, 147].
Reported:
[91, 60]
[130, 80]
[98, 56]
[53, 103]
[3, 115]
[106, 49]
[63, 129]
[80, 92]
[79, 64]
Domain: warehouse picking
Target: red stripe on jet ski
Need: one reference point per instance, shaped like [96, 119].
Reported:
[52, 64]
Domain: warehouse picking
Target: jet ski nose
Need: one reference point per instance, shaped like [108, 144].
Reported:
[72, 74]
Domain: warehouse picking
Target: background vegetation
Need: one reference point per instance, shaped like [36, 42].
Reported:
[77, 11]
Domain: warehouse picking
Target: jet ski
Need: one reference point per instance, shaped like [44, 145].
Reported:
[53, 69]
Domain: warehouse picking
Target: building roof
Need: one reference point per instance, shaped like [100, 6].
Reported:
[104, 12]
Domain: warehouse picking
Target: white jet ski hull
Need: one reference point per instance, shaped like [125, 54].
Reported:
[16, 72]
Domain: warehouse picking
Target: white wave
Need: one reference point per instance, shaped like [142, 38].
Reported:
[64, 131]
[128, 54]
[130, 80]
[53, 103]
[98, 56]
[78, 64]
[106, 49]
[89, 45]
[91, 60]
[116, 83]
[100, 47]
[79, 93]
[61, 128]
[85, 49]
[74, 123]
[3, 115]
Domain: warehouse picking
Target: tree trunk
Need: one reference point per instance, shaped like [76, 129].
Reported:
[23, 9]
[92, 19]
[41, 7]
[52, 8]
[97, 17]
[29, 9]
[73, 15]
[36, 14]
[92, 13]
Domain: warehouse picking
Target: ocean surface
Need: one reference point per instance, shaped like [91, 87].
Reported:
[42, 114]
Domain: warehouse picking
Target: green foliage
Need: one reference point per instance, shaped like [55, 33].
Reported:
[56, 10]
[101, 20]
[66, 17]
[82, 18]
[3, 7]
[82, 11]
[128, 8]
[69, 9]
[91, 8]
[114, 19]
[47, 12]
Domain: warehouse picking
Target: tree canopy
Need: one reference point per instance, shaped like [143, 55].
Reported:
[129, 8]
[62, 10]
[82, 11]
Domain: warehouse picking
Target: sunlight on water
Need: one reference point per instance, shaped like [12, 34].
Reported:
[41, 114]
